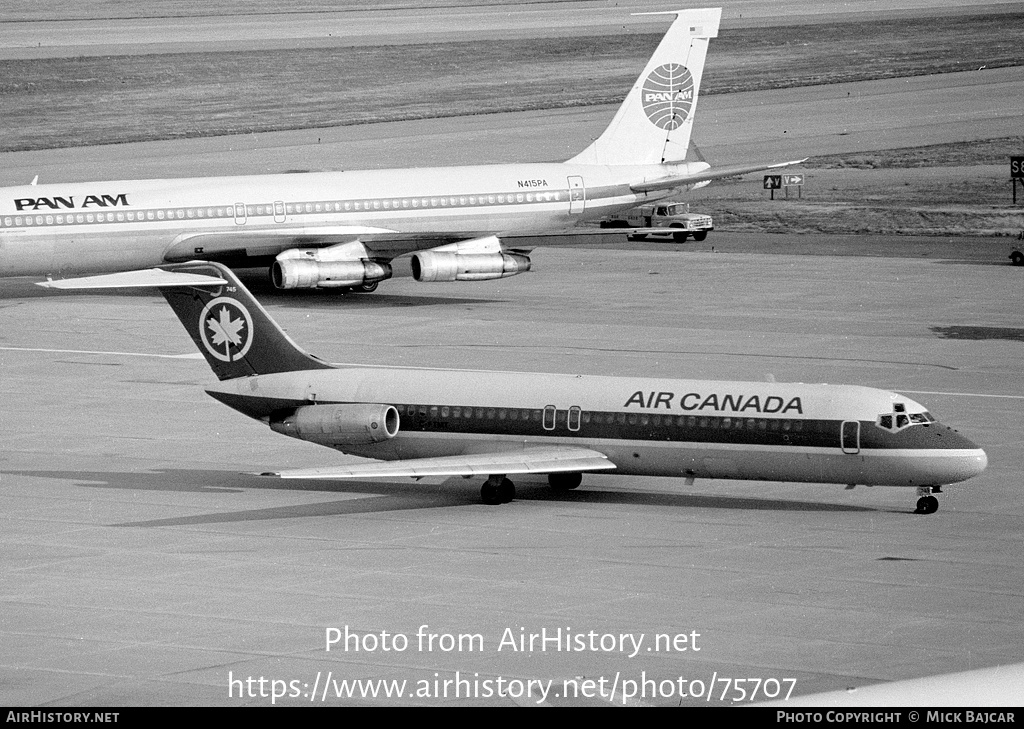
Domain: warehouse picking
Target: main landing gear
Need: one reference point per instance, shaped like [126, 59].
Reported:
[497, 490]
[500, 490]
[564, 481]
[927, 504]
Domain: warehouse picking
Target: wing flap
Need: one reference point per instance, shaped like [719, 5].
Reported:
[529, 460]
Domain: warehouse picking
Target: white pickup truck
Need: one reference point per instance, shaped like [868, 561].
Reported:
[674, 219]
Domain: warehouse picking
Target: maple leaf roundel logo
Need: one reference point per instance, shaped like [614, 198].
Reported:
[667, 95]
[225, 327]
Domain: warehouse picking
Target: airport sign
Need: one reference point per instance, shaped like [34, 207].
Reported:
[1017, 168]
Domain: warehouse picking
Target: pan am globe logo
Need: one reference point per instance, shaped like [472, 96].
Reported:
[667, 95]
[225, 327]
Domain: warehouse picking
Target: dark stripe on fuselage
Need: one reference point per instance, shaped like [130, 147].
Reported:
[638, 426]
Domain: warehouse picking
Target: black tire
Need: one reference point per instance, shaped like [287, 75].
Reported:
[700, 235]
[507, 491]
[927, 505]
[366, 288]
[680, 237]
[564, 481]
[638, 236]
[1017, 258]
[489, 494]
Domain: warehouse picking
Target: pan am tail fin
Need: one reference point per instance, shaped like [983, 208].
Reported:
[654, 123]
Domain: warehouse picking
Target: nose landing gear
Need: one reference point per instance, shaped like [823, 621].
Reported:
[927, 504]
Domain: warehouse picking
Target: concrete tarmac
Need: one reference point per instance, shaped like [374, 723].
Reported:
[144, 565]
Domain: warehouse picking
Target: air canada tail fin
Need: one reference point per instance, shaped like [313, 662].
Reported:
[231, 329]
[654, 123]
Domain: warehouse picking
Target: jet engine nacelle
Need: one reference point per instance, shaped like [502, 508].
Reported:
[355, 424]
[446, 266]
[302, 273]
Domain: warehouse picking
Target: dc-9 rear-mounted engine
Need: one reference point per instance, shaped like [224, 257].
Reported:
[351, 424]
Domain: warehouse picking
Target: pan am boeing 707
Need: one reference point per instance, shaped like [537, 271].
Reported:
[438, 422]
[342, 229]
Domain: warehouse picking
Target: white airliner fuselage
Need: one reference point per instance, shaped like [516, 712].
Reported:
[646, 427]
[94, 227]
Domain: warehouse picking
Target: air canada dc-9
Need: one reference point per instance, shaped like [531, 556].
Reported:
[438, 422]
[341, 230]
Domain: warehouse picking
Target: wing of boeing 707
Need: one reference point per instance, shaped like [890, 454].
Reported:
[567, 459]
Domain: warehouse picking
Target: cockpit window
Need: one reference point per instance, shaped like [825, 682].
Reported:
[899, 418]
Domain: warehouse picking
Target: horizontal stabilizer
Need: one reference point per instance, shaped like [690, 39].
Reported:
[149, 278]
[528, 460]
[715, 173]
